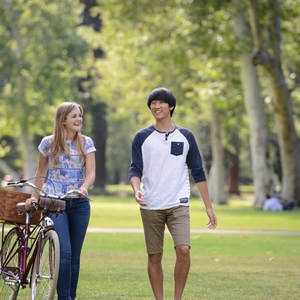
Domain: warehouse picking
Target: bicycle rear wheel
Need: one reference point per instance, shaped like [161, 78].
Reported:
[46, 268]
[9, 271]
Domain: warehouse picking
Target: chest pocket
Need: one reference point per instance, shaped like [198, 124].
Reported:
[176, 148]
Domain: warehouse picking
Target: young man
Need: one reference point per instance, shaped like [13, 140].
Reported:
[162, 155]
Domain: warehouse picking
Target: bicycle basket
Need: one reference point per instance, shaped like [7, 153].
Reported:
[8, 209]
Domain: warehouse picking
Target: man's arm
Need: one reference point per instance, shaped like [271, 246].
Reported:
[138, 194]
[203, 189]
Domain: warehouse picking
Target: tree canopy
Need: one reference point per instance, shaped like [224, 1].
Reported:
[190, 47]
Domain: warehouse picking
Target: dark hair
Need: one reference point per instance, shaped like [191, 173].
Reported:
[164, 95]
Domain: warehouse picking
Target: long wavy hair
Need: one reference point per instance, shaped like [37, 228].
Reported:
[59, 145]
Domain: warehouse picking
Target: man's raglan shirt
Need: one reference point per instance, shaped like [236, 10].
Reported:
[162, 162]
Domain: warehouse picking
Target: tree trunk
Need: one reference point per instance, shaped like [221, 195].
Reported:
[270, 60]
[287, 137]
[234, 174]
[262, 169]
[97, 110]
[216, 176]
[99, 132]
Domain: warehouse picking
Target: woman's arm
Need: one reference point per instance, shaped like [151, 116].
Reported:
[39, 179]
[90, 173]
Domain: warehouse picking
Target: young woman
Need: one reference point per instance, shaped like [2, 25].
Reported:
[69, 158]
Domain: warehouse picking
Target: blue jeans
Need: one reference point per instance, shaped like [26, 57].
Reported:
[71, 227]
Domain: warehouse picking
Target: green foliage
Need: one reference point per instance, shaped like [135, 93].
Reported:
[42, 61]
[187, 46]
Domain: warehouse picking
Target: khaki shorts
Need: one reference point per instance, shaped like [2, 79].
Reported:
[154, 221]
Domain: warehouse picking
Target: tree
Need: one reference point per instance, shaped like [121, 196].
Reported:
[260, 154]
[91, 19]
[157, 43]
[41, 70]
[217, 176]
[267, 54]
[189, 47]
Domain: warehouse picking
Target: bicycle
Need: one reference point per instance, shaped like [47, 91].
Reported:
[30, 253]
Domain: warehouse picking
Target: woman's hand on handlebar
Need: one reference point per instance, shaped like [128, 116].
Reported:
[84, 191]
[31, 203]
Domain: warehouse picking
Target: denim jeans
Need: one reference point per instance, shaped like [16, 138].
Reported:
[71, 227]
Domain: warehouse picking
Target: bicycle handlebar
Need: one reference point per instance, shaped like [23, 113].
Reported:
[24, 182]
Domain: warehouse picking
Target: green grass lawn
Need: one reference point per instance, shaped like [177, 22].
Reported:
[116, 212]
[224, 266]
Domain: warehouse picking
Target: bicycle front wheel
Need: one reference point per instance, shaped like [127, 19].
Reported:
[9, 271]
[46, 268]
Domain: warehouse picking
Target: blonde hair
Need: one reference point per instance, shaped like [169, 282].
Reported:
[59, 145]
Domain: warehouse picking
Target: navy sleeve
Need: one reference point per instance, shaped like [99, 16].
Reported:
[193, 159]
[136, 167]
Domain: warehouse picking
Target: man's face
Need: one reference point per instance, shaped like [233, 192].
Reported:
[160, 109]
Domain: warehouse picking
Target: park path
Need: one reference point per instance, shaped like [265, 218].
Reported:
[205, 231]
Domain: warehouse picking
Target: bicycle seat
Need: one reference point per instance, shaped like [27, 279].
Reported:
[21, 207]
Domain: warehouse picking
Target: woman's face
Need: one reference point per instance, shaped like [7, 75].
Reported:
[73, 122]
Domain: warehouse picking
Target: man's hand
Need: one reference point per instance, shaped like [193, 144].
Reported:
[139, 198]
[212, 222]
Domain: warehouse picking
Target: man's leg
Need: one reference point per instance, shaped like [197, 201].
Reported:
[156, 276]
[178, 221]
[181, 270]
[154, 229]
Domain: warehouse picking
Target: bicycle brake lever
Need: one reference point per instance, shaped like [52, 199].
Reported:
[17, 183]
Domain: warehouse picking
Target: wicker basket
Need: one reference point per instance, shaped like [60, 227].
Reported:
[8, 210]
